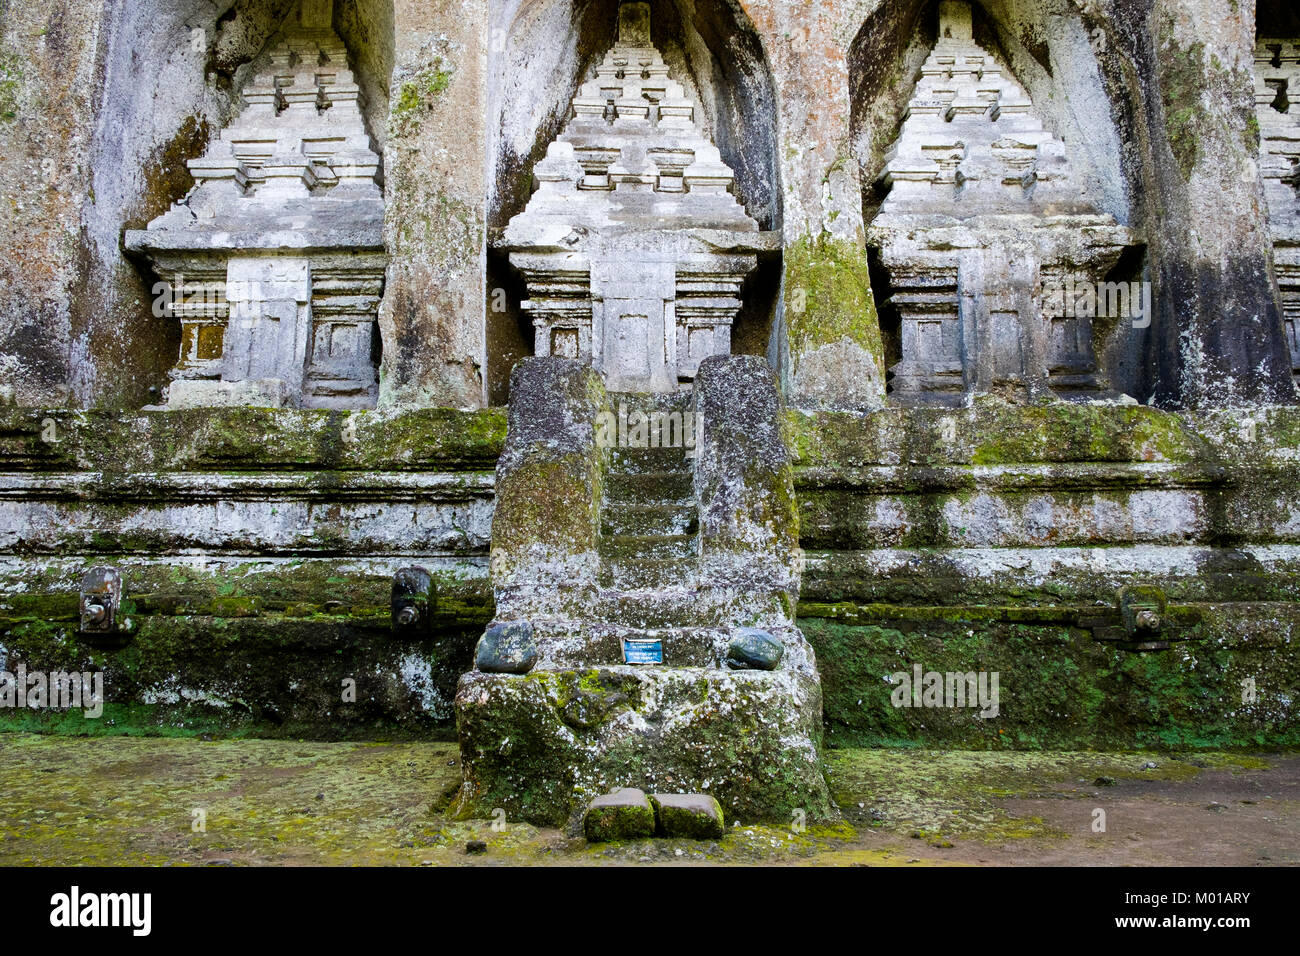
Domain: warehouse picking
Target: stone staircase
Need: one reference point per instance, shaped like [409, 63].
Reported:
[598, 543]
[649, 577]
[649, 515]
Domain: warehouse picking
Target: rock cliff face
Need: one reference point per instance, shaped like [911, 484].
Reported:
[1154, 103]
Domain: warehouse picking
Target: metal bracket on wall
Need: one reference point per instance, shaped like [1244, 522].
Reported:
[1143, 614]
[414, 601]
[101, 605]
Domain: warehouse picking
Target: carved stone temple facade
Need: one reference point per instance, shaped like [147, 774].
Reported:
[983, 223]
[632, 399]
[274, 262]
[633, 247]
[1277, 101]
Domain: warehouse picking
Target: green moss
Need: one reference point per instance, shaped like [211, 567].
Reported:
[690, 823]
[539, 746]
[235, 439]
[420, 92]
[251, 650]
[72, 801]
[554, 503]
[165, 175]
[132, 802]
[994, 432]
[605, 824]
[828, 296]
[1182, 82]
[1063, 431]
[1060, 688]
[11, 79]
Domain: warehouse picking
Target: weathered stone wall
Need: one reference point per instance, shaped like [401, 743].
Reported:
[258, 549]
[108, 101]
[258, 546]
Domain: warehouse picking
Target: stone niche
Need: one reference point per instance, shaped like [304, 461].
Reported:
[1277, 102]
[274, 262]
[990, 244]
[632, 248]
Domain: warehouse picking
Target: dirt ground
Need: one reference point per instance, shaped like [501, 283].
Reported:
[111, 801]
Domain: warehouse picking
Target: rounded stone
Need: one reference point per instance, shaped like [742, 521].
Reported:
[754, 650]
[507, 648]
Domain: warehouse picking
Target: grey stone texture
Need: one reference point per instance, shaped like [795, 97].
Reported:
[1150, 140]
[273, 263]
[103, 106]
[690, 545]
[753, 649]
[984, 222]
[633, 248]
[506, 649]
[1277, 104]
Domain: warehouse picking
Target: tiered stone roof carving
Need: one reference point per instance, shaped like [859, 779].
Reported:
[1277, 103]
[275, 257]
[983, 219]
[633, 246]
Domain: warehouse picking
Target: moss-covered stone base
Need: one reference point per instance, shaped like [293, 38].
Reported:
[301, 650]
[1228, 680]
[542, 746]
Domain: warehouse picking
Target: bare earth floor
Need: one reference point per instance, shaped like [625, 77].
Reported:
[110, 801]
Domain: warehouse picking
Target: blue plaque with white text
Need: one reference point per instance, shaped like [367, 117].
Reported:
[643, 652]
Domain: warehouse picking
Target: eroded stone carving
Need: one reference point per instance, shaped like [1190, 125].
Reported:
[986, 234]
[633, 248]
[274, 262]
[1277, 103]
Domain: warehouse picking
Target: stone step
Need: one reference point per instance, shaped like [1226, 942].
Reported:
[623, 546]
[681, 401]
[638, 574]
[653, 608]
[642, 461]
[636, 519]
[650, 488]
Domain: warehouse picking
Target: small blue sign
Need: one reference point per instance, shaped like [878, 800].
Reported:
[643, 652]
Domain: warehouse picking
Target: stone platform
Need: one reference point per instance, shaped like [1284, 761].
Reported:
[542, 745]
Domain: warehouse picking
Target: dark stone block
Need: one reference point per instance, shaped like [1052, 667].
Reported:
[692, 816]
[622, 815]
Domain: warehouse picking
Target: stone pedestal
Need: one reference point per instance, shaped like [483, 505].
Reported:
[541, 746]
[646, 591]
